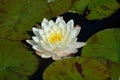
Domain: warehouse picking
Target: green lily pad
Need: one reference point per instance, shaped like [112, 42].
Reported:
[58, 7]
[114, 69]
[95, 9]
[104, 44]
[16, 62]
[98, 9]
[79, 6]
[76, 69]
[19, 16]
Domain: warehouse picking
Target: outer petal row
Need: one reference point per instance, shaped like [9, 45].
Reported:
[68, 45]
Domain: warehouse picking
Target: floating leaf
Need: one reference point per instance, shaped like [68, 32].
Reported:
[58, 7]
[98, 9]
[76, 69]
[95, 9]
[19, 16]
[79, 6]
[16, 62]
[114, 69]
[105, 44]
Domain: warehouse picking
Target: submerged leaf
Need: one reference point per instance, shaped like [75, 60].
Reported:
[16, 62]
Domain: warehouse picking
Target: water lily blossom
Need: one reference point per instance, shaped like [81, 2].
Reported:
[56, 39]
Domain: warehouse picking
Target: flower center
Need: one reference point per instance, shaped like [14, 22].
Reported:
[55, 37]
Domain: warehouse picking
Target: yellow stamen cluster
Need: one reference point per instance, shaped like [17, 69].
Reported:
[55, 37]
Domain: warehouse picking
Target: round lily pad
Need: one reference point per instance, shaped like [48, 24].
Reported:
[16, 62]
[104, 44]
[76, 69]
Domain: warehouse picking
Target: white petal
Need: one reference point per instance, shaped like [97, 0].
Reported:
[37, 48]
[31, 42]
[46, 29]
[67, 36]
[62, 26]
[75, 32]
[38, 53]
[59, 19]
[51, 23]
[45, 46]
[44, 55]
[71, 41]
[78, 44]
[60, 53]
[41, 31]
[68, 29]
[35, 39]
[44, 22]
[50, 45]
[56, 57]
[54, 28]
[68, 33]
[74, 50]
[70, 24]
[71, 50]
[42, 35]
[35, 31]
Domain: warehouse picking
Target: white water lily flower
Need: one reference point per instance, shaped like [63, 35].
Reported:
[56, 39]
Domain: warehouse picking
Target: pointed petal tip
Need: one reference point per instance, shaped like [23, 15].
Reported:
[44, 22]
[28, 41]
[71, 21]
[59, 19]
[77, 29]
[38, 53]
[70, 24]
[45, 19]
[35, 30]
[78, 44]
[82, 44]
